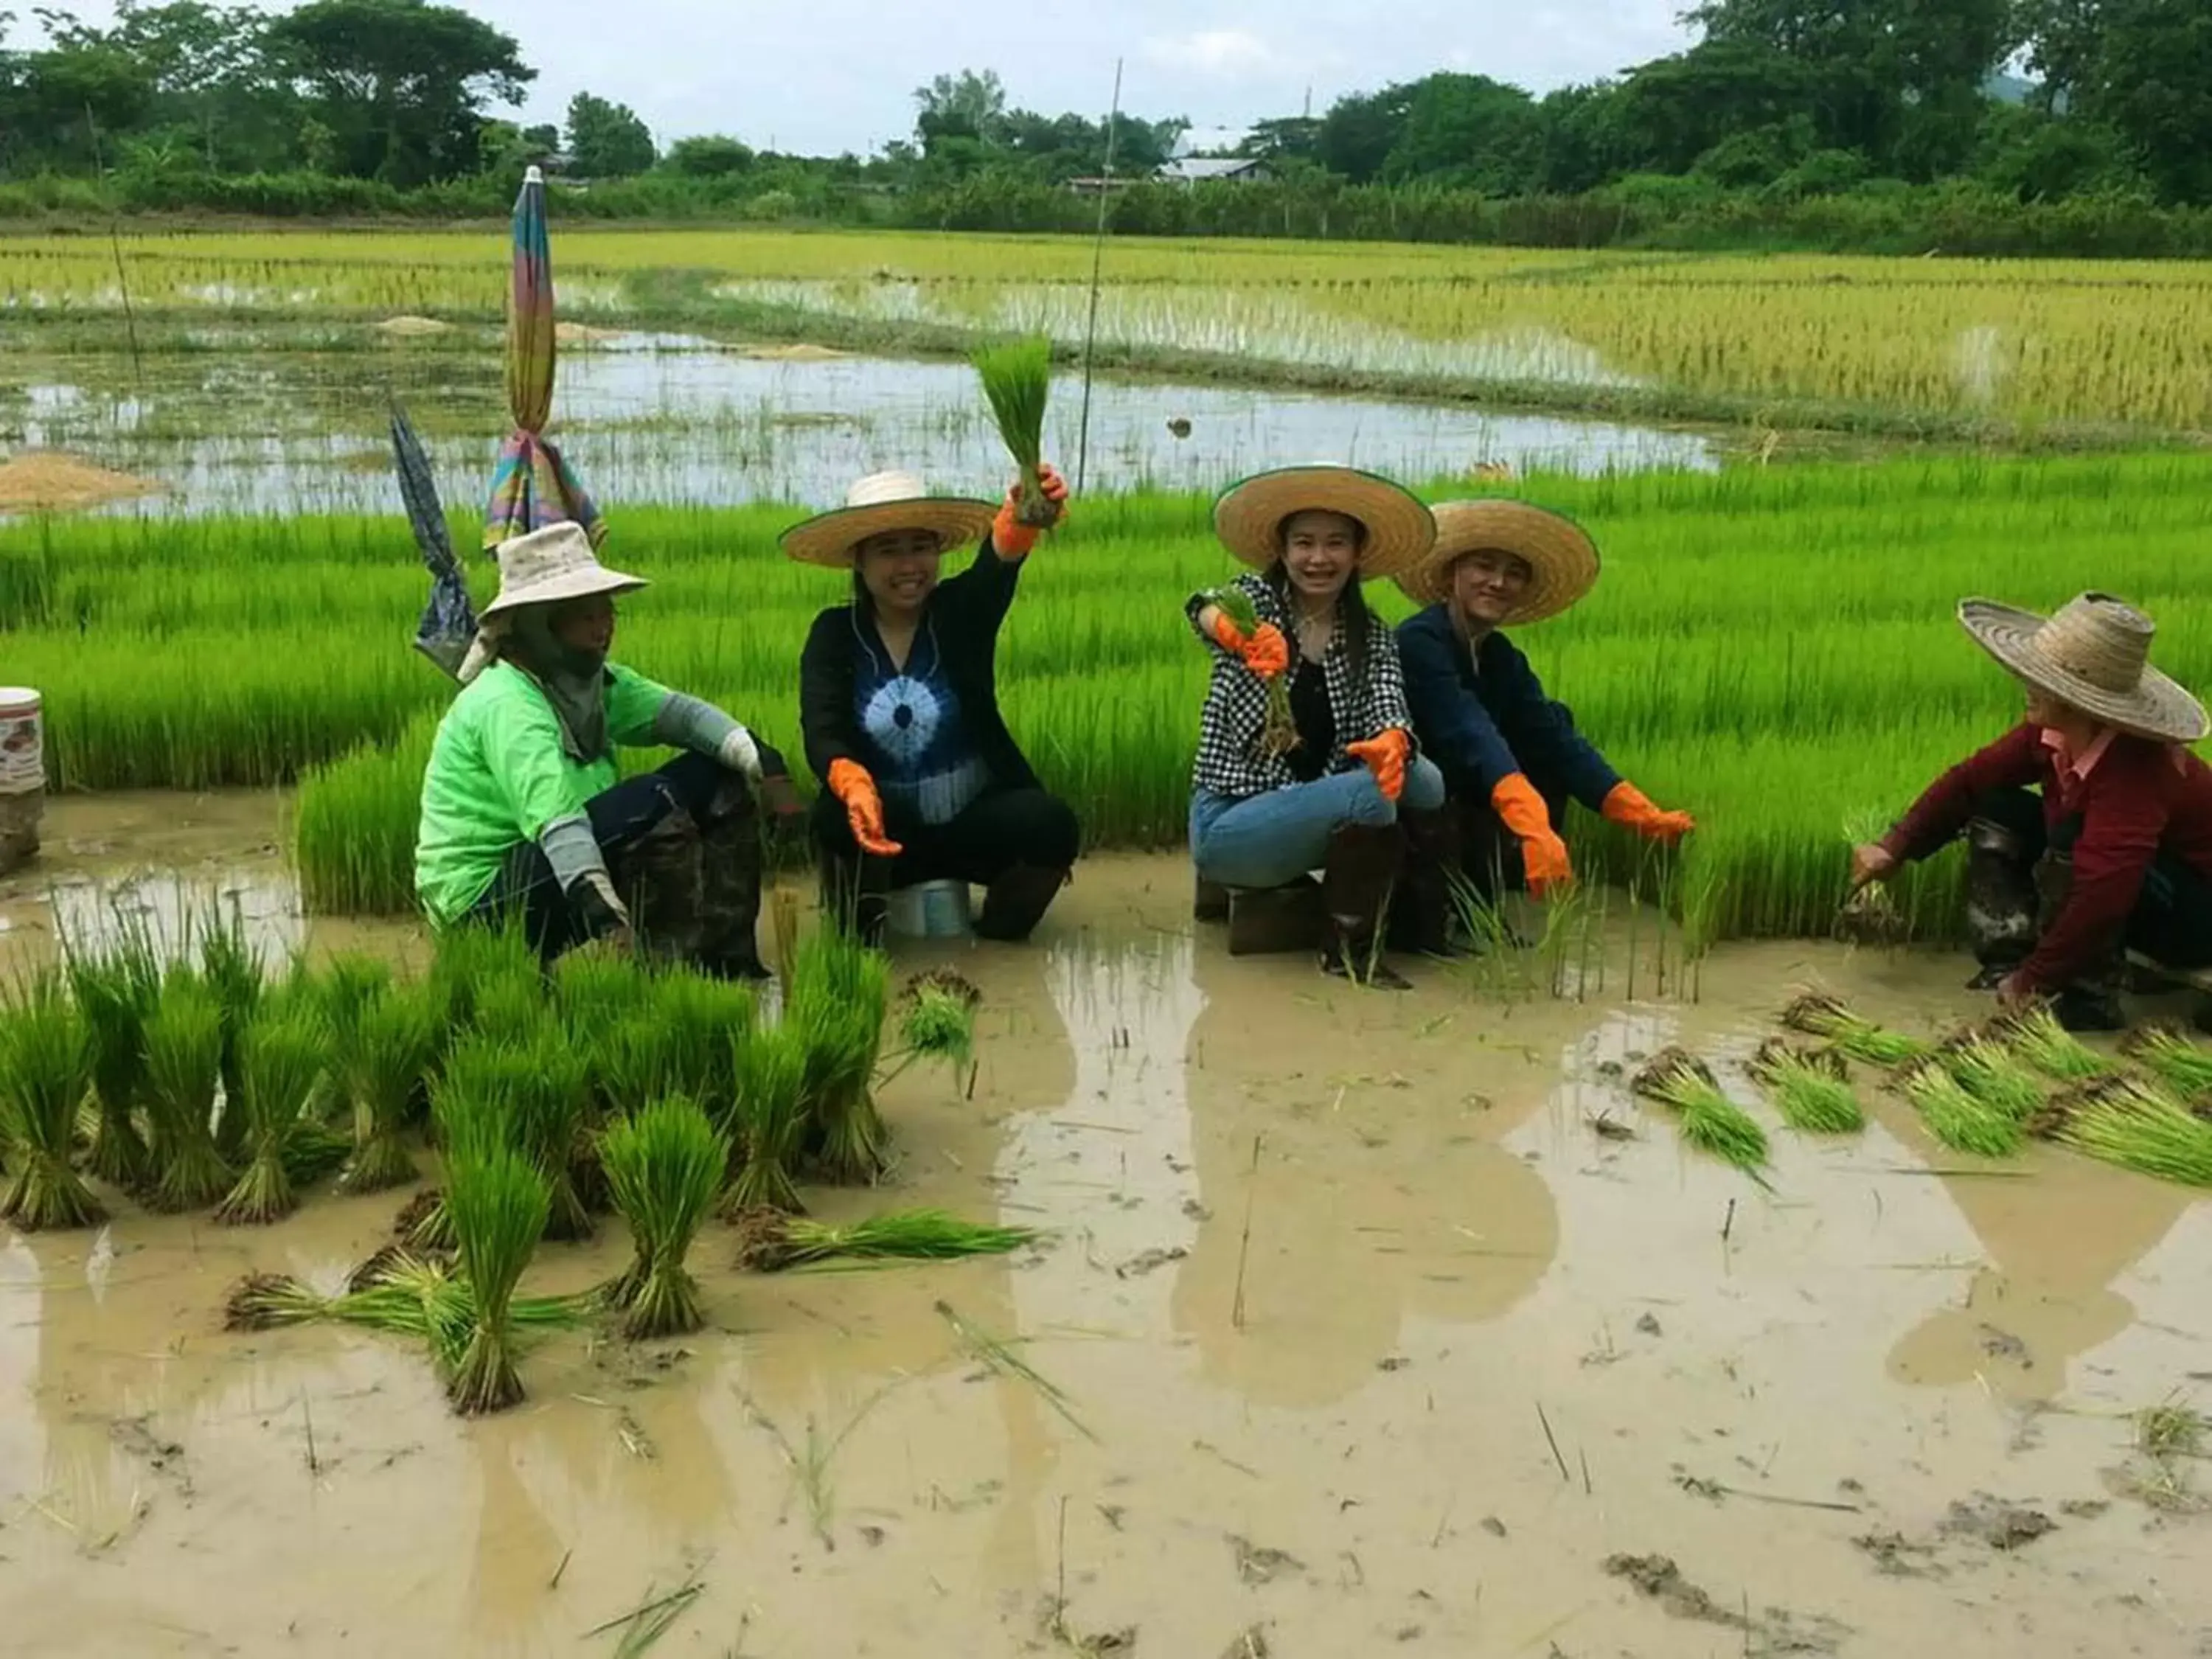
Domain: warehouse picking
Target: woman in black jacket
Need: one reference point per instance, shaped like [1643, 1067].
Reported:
[898, 703]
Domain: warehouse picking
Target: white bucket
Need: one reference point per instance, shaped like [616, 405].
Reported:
[22, 742]
[930, 909]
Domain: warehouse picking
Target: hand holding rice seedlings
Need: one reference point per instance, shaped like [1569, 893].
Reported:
[2183, 1066]
[1824, 1016]
[1807, 1091]
[770, 1064]
[1278, 732]
[183, 1070]
[283, 1054]
[390, 1047]
[770, 1242]
[1709, 1120]
[498, 1205]
[2134, 1125]
[1017, 382]
[1957, 1118]
[665, 1166]
[46, 1069]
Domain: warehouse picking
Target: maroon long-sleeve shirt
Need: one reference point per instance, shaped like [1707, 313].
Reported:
[2137, 799]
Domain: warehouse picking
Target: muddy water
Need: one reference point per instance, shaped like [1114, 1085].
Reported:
[1363, 1340]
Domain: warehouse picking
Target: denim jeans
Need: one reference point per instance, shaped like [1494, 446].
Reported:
[1264, 841]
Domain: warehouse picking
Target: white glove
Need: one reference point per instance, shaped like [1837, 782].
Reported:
[741, 754]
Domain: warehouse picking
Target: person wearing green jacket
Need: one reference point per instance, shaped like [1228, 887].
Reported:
[525, 815]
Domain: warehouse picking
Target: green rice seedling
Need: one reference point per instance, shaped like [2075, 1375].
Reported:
[593, 990]
[937, 1021]
[498, 1205]
[701, 1019]
[665, 1164]
[285, 1053]
[45, 1071]
[548, 1104]
[2135, 1125]
[117, 986]
[1017, 382]
[468, 959]
[769, 1241]
[633, 1061]
[1709, 1120]
[836, 1005]
[2038, 1038]
[183, 1073]
[770, 1064]
[1957, 1117]
[1992, 1075]
[511, 1006]
[2183, 1066]
[268, 1302]
[389, 1051]
[233, 970]
[1278, 732]
[1810, 1095]
[346, 987]
[1823, 1016]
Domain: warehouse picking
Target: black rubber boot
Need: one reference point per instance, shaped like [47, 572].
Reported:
[1362, 871]
[1424, 910]
[1017, 901]
[1209, 901]
[1266, 921]
[2001, 902]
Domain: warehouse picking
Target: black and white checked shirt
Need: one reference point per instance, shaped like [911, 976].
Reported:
[1230, 759]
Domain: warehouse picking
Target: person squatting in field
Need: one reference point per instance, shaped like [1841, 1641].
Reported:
[899, 706]
[523, 818]
[1510, 755]
[2116, 853]
[1338, 784]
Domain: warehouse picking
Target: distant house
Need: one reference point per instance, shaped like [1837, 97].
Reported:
[1212, 169]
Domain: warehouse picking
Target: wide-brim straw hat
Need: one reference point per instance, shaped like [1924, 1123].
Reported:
[1561, 557]
[881, 503]
[1249, 517]
[2093, 655]
[550, 565]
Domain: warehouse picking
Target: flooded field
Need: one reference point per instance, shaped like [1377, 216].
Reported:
[1353, 1335]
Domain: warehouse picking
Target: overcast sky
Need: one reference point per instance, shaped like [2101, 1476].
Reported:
[821, 76]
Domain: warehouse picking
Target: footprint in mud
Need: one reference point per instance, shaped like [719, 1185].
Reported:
[2000, 1524]
[1257, 1565]
[1776, 1631]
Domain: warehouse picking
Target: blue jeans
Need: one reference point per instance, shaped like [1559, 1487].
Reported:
[1264, 841]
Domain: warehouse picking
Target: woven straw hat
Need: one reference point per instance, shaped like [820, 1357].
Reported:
[2094, 655]
[552, 564]
[1249, 517]
[1561, 557]
[884, 502]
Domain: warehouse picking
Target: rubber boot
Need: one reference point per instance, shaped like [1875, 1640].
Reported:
[1276, 921]
[1017, 901]
[658, 876]
[1424, 909]
[2002, 901]
[731, 854]
[1362, 869]
[1209, 901]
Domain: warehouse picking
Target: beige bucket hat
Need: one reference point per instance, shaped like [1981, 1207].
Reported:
[1249, 516]
[1561, 557]
[552, 564]
[2093, 655]
[885, 502]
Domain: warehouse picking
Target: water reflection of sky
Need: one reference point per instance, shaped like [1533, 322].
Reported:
[677, 420]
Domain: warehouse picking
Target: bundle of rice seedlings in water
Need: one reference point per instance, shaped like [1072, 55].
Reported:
[1709, 1120]
[2038, 1038]
[594, 989]
[633, 1061]
[285, 1053]
[937, 1020]
[467, 958]
[547, 1105]
[769, 1241]
[184, 1073]
[770, 1064]
[2184, 1067]
[839, 990]
[665, 1164]
[1017, 381]
[701, 1018]
[511, 1006]
[1279, 730]
[1823, 1016]
[2135, 1125]
[498, 1205]
[46, 1069]
[268, 1302]
[1992, 1077]
[234, 972]
[473, 1107]
[1957, 1117]
[1807, 1090]
[390, 1051]
[117, 989]
[348, 986]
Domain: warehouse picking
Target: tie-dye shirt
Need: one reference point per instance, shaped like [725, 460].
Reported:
[925, 761]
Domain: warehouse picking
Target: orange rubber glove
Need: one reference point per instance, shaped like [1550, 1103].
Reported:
[864, 809]
[1384, 754]
[1010, 537]
[1543, 855]
[1265, 652]
[1628, 806]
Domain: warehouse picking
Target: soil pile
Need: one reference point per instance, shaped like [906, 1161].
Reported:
[49, 480]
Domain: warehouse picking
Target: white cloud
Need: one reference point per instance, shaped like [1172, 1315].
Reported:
[1228, 53]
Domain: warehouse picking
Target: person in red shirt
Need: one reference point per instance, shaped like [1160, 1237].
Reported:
[2117, 851]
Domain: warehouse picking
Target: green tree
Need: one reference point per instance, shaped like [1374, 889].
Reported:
[2143, 67]
[1358, 133]
[970, 104]
[708, 156]
[606, 140]
[1468, 130]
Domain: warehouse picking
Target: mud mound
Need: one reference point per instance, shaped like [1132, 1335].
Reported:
[584, 334]
[413, 328]
[801, 353]
[47, 480]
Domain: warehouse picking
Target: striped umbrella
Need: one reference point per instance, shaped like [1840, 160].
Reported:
[531, 486]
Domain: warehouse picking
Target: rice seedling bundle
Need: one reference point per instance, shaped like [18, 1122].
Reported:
[284, 1057]
[388, 1052]
[1823, 1016]
[1810, 1093]
[1992, 1075]
[183, 1073]
[665, 1164]
[937, 1019]
[1708, 1118]
[2135, 1125]
[770, 1064]
[469, 959]
[1958, 1118]
[635, 1060]
[511, 1006]
[594, 989]
[499, 1206]
[2038, 1038]
[117, 987]
[234, 972]
[1017, 380]
[2184, 1067]
[546, 1110]
[346, 987]
[838, 990]
[701, 1018]
[46, 1070]
[770, 1242]
[1278, 731]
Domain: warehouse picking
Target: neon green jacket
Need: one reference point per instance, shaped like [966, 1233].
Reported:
[498, 775]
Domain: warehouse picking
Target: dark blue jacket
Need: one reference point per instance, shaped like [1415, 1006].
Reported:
[1482, 726]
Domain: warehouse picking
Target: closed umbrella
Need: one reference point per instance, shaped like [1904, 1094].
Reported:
[449, 621]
